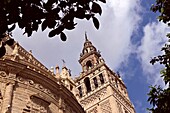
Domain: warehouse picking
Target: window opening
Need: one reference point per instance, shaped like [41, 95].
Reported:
[89, 64]
[95, 82]
[80, 91]
[71, 87]
[87, 83]
[116, 83]
[101, 78]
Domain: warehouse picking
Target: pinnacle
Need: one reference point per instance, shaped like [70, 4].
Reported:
[86, 36]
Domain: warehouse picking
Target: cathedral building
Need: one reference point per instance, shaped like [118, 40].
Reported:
[27, 86]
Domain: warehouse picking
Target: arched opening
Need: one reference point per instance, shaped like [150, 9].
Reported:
[116, 83]
[95, 82]
[71, 87]
[87, 83]
[88, 64]
[80, 91]
[101, 78]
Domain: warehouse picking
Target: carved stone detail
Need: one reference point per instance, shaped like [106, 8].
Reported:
[93, 110]
[3, 74]
[124, 100]
[119, 107]
[37, 86]
[106, 107]
[36, 105]
[93, 97]
[7, 99]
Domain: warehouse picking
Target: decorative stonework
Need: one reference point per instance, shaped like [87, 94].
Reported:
[7, 98]
[106, 107]
[121, 98]
[3, 74]
[27, 56]
[36, 105]
[93, 110]
[95, 96]
[37, 86]
[119, 107]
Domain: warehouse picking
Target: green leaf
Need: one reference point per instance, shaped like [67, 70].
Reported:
[168, 24]
[44, 25]
[70, 25]
[88, 16]
[12, 28]
[35, 26]
[80, 13]
[63, 4]
[28, 30]
[162, 10]
[96, 22]
[168, 35]
[51, 24]
[21, 24]
[63, 36]
[96, 8]
[56, 31]
[52, 33]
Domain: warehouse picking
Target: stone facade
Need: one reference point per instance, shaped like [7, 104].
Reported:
[27, 86]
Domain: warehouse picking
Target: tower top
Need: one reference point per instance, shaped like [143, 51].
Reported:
[88, 49]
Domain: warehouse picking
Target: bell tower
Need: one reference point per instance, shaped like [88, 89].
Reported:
[89, 57]
[100, 90]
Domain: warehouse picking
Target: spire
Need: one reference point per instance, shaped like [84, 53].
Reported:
[86, 36]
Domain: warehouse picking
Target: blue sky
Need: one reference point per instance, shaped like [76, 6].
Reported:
[129, 35]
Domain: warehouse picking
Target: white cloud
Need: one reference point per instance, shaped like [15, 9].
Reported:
[153, 40]
[118, 23]
[119, 20]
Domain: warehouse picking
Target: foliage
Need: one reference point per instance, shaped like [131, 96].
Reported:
[57, 15]
[159, 97]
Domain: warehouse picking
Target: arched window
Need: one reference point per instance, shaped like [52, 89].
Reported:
[71, 87]
[116, 83]
[80, 91]
[95, 82]
[88, 64]
[101, 78]
[87, 83]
